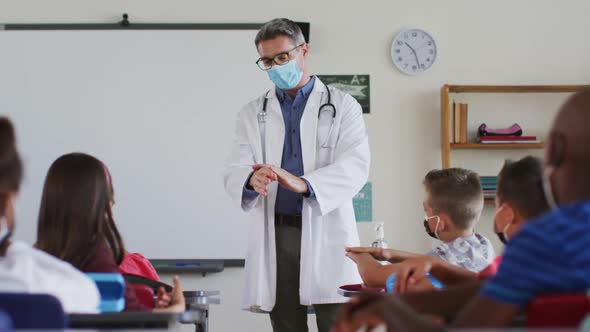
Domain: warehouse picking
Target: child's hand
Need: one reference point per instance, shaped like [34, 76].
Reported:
[411, 272]
[423, 285]
[379, 254]
[353, 256]
[173, 302]
[163, 299]
[360, 257]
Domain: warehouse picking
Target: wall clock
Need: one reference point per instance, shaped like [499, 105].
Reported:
[413, 51]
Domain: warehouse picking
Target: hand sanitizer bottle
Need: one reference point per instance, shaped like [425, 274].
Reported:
[380, 236]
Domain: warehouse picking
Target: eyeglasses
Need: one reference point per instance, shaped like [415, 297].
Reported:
[279, 59]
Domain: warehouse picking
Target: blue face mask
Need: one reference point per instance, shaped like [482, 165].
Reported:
[286, 76]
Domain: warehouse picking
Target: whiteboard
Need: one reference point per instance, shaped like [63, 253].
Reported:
[158, 107]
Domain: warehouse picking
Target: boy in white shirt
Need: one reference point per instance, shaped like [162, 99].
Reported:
[24, 269]
[452, 206]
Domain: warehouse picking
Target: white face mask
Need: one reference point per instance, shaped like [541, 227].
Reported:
[547, 190]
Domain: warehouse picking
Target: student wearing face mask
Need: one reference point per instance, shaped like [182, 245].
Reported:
[24, 269]
[549, 255]
[519, 198]
[453, 204]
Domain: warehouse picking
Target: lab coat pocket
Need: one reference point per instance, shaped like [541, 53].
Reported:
[326, 141]
[327, 132]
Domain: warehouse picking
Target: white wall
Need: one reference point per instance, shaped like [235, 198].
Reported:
[480, 42]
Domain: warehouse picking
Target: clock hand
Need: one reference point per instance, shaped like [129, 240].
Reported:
[408, 45]
[415, 55]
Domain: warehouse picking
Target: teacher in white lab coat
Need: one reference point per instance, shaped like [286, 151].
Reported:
[301, 153]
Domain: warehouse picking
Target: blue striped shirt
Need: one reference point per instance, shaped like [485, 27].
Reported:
[549, 255]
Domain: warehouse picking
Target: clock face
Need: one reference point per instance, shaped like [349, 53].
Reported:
[413, 51]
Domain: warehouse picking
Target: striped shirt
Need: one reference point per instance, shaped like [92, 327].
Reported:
[549, 255]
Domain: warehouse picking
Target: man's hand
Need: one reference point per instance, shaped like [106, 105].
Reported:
[262, 177]
[286, 180]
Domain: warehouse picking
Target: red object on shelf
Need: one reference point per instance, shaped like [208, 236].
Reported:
[506, 138]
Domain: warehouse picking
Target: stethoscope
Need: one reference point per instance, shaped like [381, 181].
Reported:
[324, 107]
[262, 125]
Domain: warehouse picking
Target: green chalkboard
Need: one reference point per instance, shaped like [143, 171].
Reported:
[357, 86]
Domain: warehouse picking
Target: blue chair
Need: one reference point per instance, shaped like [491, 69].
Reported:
[33, 311]
[111, 287]
[5, 322]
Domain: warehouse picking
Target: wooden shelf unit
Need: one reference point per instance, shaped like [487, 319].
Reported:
[515, 88]
[497, 146]
[445, 107]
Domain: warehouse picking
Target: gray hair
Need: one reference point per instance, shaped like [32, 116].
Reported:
[280, 27]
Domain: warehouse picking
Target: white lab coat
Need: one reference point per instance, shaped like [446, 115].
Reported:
[335, 173]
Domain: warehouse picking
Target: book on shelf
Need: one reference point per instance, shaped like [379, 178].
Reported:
[488, 178]
[506, 138]
[456, 122]
[489, 184]
[463, 123]
[510, 142]
[459, 123]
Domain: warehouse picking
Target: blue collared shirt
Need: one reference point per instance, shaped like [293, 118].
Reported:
[288, 202]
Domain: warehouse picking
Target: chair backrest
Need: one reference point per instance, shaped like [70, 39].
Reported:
[144, 294]
[111, 287]
[5, 322]
[33, 311]
[564, 310]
